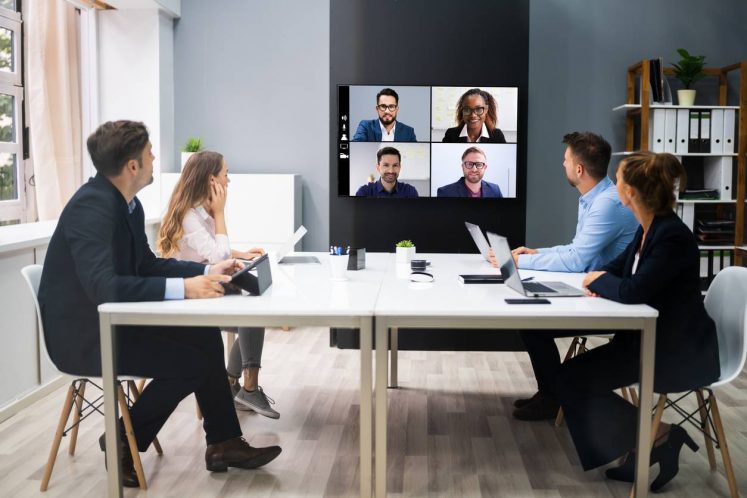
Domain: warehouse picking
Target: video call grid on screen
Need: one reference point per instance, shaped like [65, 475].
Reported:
[430, 165]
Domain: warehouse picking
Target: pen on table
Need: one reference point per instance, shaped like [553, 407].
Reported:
[527, 279]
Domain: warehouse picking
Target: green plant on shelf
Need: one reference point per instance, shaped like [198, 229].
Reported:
[405, 243]
[690, 68]
[193, 144]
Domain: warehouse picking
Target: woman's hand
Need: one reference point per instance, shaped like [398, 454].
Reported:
[216, 203]
[589, 278]
[252, 253]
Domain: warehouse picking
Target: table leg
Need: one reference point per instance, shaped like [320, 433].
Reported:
[393, 357]
[111, 413]
[381, 407]
[366, 392]
[643, 445]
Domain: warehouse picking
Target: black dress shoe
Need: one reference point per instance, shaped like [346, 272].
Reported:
[127, 468]
[525, 401]
[238, 453]
[666, 454]
[542, 408]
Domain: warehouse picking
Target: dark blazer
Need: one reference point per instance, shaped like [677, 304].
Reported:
[668, 279]
[98, 253]
[452, 136]
[459, 189]
[370, 131]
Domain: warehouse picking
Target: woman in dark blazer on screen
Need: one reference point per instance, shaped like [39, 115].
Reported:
[477, 118]
[660, 268]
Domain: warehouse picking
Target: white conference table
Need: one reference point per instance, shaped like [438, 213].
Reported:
[300, 295]
[446, 303]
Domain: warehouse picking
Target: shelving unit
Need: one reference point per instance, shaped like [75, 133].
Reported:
[641, 114]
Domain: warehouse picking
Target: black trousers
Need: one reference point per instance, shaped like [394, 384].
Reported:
[602, 424]
[544, 355]
[181, 361]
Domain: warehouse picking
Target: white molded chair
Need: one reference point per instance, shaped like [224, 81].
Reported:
[726, 304]
[83, 407]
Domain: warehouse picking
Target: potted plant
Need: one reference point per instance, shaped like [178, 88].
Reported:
[193, 144]
[688, 70]
[405, 251]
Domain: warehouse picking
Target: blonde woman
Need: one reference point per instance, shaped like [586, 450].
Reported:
[194, 229]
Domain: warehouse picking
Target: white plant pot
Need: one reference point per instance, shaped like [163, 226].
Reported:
[185, 156]
[686, 97]
[405, 254]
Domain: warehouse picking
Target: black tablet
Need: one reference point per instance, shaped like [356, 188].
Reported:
[249, 265]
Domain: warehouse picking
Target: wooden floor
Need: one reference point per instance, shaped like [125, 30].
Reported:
[450, 434]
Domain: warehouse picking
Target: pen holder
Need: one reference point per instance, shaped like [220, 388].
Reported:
[357, 259]
[338, 267]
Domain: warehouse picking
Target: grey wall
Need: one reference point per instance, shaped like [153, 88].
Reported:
[252, 79]
[579, 51]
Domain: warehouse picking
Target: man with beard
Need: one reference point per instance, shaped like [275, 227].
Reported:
[605, 228]
[386, 128]
[474, 166]
[388, 164]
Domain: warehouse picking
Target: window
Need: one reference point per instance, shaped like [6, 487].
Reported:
[12, 179]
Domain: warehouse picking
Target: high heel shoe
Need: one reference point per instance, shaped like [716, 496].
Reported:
[668, 456]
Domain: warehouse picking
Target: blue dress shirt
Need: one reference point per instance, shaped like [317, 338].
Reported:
[376, 189]
[605, 228]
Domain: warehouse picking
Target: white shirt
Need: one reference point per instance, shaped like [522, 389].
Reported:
[387, 137]
[200, 243]
[483, 134]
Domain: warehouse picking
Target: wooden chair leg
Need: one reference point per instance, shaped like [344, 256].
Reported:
[130, 433]
[135, 395]
[230, 339]
[625, 395]
[140, 385]
[633, 395]
[198, 410]
[67, 406]
[721, 437]
[706, 427]
[76, 416]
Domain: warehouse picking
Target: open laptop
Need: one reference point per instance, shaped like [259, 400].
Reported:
[513, 280]
[283, 259]
[480, 240]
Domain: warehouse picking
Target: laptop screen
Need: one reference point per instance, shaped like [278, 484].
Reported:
[506, 262]
[291, 244]
[479, 239]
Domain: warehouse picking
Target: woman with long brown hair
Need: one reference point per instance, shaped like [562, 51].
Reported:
[194, 229]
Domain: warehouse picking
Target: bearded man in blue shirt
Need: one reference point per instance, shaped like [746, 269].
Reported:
[605, 228]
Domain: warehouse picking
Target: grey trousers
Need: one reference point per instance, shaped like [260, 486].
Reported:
[246, 351]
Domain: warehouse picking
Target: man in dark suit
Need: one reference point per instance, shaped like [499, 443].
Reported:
[99, 253]
[474, 166]
[386, 128]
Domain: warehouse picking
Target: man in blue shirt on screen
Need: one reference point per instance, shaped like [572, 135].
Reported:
[605, 228]
[388, 164]
[386, 128]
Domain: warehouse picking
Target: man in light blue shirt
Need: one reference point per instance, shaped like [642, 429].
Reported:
[605, 228]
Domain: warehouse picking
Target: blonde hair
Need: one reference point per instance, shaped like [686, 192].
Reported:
[192, 189]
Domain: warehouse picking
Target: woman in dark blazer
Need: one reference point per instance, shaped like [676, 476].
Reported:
[660, 268]
[477, 118]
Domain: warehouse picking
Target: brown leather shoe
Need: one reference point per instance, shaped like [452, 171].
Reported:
[129, 476]
[238, 453]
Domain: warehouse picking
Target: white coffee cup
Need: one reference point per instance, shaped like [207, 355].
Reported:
[338, 267]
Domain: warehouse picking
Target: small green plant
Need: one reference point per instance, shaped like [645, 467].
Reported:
[193, 144]
[405, 243]
[690, 68]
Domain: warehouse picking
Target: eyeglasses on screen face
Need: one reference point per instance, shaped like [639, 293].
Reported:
[477, 110]
[471, 165]
[384, 107]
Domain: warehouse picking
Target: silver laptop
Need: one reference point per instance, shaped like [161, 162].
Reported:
[480, 240]
[283, 259]
[513, 280]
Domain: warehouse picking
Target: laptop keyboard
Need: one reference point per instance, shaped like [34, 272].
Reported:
[537, 287]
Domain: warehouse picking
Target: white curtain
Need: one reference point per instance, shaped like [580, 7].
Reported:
[53, 92]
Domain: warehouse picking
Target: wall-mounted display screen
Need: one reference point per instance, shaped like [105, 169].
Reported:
[427, 141]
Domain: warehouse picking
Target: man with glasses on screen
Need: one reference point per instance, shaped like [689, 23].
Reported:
[388, 164]
[386, 128]
[474, 166]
